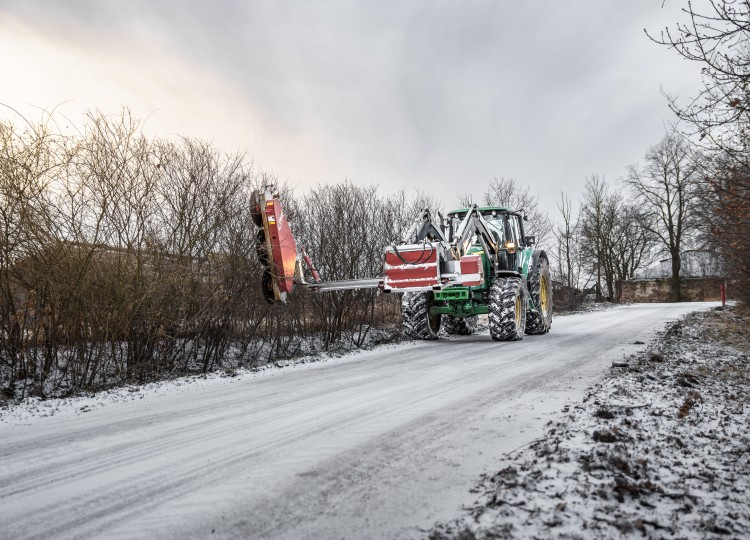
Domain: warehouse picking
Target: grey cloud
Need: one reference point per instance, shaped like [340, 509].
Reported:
[440, 95]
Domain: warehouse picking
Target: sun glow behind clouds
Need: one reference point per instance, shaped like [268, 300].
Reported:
[75, 71]
[441, 96]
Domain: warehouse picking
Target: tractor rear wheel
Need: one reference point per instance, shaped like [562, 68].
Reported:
[540, 290]
[463, 326]
[415, 312]
[507, 307]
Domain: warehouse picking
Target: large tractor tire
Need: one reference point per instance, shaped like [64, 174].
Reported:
[507, 308]
[462, 326]
[415, 312]
[540, 290]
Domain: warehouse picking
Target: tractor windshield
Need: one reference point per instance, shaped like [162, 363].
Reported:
[496, 226]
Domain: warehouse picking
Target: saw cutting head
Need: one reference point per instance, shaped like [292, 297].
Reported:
[276, 247]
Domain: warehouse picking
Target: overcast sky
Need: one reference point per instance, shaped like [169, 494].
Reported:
[436, 95]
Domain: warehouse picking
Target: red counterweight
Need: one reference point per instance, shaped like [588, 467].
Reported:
[411, 267]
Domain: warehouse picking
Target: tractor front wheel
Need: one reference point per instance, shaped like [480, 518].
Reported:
[462, 326]
[415, 312]
[507, 307]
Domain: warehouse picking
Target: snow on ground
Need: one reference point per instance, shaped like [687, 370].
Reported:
[591, 307]
[376, 444]
[20, 411]
[242, 356]
[31, 408]
[659, 449]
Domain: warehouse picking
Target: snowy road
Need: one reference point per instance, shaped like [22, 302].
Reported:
[373, 445]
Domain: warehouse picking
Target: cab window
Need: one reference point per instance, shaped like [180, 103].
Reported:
[515, 231]
[496, 227]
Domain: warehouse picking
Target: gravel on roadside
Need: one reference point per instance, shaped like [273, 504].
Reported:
[659, 449]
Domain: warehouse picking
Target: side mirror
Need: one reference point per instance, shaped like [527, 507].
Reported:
[530, 240]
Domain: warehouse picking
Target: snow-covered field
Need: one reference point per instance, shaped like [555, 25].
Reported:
[659, 449]
[377, 444]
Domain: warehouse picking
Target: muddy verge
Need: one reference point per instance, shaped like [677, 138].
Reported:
[659, 449]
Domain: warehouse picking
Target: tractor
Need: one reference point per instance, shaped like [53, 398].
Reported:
[448, 270]
[508, 279]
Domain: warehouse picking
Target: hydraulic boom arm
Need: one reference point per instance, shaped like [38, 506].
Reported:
[474, 224]
[425, 227]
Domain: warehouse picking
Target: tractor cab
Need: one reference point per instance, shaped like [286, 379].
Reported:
[505, 225]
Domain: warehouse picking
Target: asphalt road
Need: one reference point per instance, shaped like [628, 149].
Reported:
[379, 444]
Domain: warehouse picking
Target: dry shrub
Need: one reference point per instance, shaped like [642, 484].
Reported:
[129, 259]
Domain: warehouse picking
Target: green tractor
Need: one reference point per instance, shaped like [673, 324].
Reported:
[478, 261]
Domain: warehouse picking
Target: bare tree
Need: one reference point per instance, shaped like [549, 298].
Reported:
[666, 186]
[634, 241]
[616, 237]
[509, 193]
[716, 36]
[124, 258]
[567, 245]
[570, 270]
[345, 228]
[725, 209]
[465, 200]
[593, 228]
[31, 158]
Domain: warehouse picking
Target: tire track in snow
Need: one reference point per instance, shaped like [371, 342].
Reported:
[128, 493]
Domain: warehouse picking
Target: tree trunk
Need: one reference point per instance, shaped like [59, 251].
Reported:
[676, 264]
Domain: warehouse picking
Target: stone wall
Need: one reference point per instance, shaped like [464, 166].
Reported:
[705, 289]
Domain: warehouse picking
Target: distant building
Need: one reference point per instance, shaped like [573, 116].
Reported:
[701, 277]
[694, 264]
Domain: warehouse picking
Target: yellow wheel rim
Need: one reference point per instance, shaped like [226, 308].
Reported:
[518, 311]
[544, 296]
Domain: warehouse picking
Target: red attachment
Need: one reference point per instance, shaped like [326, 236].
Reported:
[309, 264]
[472, 271]
[283, 247]
[411, 266]
[723, 290]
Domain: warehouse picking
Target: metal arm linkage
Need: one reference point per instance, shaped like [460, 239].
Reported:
[473, 223]
[424, 227]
